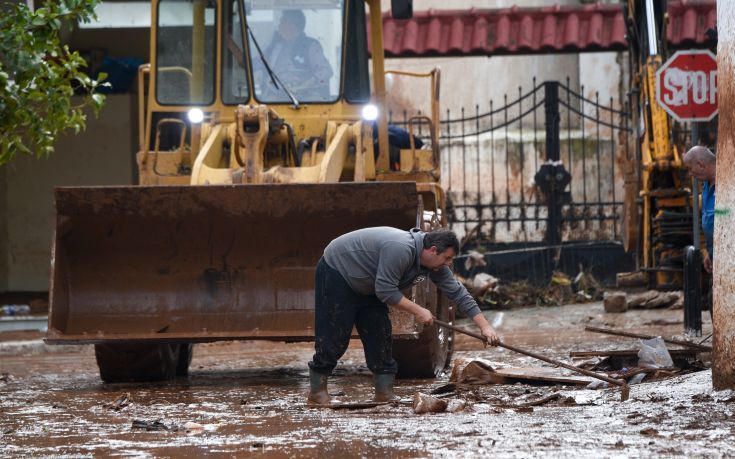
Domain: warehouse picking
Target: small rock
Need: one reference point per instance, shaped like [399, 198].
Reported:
[615, 302]
[193, 427]
[423, 403]
[649, 432]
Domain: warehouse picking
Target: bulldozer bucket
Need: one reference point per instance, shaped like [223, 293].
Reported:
[203, 263]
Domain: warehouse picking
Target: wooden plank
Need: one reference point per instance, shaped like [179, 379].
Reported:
[631, 353]
[540, 374]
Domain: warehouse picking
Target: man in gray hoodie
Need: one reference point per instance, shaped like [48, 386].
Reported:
[363, 272]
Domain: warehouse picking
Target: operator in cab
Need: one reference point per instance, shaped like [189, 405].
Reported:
[297, 60]
[359, 275]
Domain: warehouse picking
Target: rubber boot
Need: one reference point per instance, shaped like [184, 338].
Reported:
[384, 387]
[318, 394]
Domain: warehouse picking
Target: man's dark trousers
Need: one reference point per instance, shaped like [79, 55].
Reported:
[337, 309]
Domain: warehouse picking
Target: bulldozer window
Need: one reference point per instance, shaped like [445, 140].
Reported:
[185, 52]
[303, 47]
[235, 89]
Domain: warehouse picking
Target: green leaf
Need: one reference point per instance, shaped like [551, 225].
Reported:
[36, 104]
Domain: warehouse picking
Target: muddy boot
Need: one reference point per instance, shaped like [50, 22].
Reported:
[384, 387]
[318, 394]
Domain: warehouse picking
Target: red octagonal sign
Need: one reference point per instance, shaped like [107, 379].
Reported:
[686, 85]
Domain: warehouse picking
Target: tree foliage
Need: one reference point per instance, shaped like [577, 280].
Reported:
[39, 75]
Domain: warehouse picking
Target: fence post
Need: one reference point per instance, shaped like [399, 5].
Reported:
[551, 177]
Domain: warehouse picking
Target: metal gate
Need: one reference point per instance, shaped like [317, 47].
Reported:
[537, 184]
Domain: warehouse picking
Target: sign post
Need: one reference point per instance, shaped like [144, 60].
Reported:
[686, 85]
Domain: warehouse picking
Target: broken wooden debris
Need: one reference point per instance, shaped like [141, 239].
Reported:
[479, 372]
[357, 405]
[458, 405]
[629, 353]
[149, 425]
[610, 331]
[119, 403]
[652, 299]
[425, 403]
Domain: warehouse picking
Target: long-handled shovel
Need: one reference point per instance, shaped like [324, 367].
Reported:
[624, 388]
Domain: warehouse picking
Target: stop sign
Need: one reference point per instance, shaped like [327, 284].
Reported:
[686, 85]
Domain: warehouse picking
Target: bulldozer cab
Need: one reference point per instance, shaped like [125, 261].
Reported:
[258, 146]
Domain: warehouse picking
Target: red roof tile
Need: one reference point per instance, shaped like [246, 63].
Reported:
[555, 29]
[689, 21]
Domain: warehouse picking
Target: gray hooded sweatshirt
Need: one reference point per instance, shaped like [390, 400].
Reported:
[382, 261]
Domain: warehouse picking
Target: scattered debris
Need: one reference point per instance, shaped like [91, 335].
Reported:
[662, 322]
[680, 342]
[193, 428]
[649, 432]
[120, 403]
[675, 353]
[491, 294]
[541, 401]
[424, 403]
[653, 354]
[590, 363]
[479, 372]
[59, 406]
[150, 426]
[474, 259]
[615, 302]
[457, 405]
[356, 405]
[655, 299]
[445, 389]
[481, 283]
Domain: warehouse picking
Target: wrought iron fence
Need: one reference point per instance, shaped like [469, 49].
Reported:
[536, 177]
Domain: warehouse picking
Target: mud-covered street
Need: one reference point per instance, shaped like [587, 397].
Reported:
[248, 398]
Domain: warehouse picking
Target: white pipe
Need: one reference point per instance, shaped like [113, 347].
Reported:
[651, 23]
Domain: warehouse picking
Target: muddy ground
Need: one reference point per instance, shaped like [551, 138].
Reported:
[247, 398]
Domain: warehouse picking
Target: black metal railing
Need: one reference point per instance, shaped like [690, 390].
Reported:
[535, 174]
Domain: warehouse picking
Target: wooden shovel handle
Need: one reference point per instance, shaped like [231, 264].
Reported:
[589, 373]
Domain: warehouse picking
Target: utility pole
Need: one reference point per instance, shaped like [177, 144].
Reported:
[723, 368]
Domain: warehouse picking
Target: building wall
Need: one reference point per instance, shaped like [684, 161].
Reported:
[102, 155]
[490, 78]
[3, 232]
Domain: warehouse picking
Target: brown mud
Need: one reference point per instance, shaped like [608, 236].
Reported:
[247, 399]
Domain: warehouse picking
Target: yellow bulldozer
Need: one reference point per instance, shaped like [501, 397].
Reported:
[255, 151]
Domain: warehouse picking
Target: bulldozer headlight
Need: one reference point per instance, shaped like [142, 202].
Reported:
[370, 112]
[195, 115]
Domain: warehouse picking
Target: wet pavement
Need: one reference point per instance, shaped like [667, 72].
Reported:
[247, 399]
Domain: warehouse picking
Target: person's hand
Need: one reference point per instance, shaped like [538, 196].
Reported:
[424, 316]
[708, 264]
[490, 335]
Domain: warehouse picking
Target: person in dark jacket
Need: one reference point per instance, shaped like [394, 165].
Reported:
[359, 275]
[298, 60]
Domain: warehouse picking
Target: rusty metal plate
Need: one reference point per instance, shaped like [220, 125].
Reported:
[203, 262]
